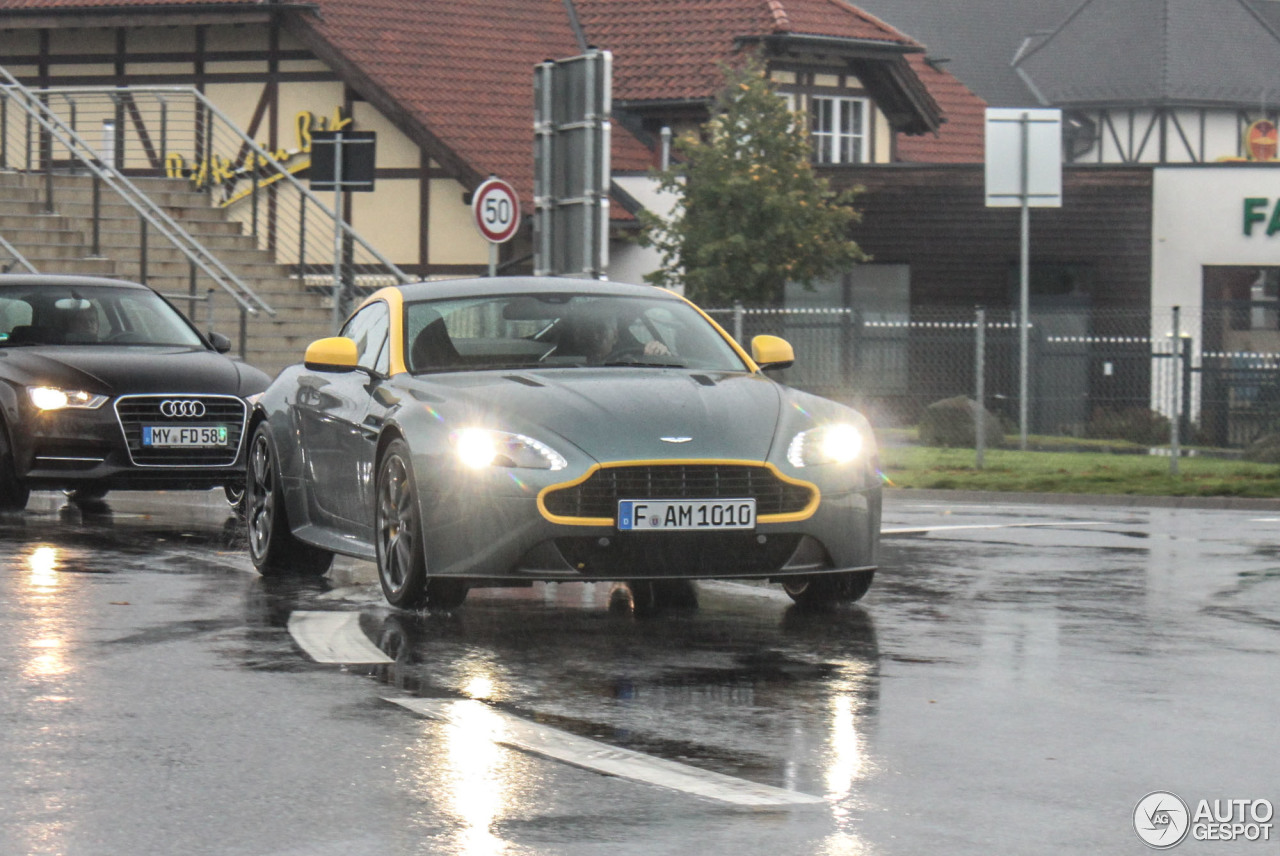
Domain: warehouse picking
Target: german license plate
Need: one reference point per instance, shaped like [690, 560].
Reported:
[670, 515]
[183, 436]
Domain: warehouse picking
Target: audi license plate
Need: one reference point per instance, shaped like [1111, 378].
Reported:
[667, 515]
[184, 436]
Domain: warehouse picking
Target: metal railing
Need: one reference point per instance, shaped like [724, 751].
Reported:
[177, 132]
[46, 134]
[14, 257]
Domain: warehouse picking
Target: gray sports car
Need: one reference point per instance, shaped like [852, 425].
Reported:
[496, 432]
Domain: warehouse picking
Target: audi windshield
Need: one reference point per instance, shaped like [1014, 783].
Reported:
[90, 315]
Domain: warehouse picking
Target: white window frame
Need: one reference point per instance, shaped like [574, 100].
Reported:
[842, 135]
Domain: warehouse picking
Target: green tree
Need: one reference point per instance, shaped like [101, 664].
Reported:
[752, 215]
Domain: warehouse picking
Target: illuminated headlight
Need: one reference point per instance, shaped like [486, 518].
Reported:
[52, 398]
[830, 444]
[478, 448]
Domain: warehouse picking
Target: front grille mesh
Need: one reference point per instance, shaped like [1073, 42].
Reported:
[138, 410]
[598, 496]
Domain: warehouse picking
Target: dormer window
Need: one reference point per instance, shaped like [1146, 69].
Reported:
[838, 129]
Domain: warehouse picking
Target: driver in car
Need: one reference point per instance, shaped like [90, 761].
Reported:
[596, 336]
[80, 324]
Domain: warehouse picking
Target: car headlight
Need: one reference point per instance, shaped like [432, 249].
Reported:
[830, 444]
[478, 448]
[53, 398]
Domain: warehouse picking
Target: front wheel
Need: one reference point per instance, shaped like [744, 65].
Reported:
[13, 494]
[402, 563]
[272, 546]
[821, 590]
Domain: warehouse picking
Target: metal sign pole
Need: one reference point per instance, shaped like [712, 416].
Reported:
[1024, 290]
[1175, 441]
[493, 259]
[1014, 138]
[337, 233]
[980, 392]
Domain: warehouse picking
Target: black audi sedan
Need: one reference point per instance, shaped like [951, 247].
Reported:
[106, 386]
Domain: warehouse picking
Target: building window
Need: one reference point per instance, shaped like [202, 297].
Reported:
[838, 129]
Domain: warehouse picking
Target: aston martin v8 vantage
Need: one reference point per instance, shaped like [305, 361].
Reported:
[106, 386]
[496, 432]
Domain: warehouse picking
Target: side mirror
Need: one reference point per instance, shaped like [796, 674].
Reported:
[772, 352]
[334, 354]
[220, 343]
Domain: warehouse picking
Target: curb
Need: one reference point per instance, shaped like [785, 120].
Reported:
[1210, 503]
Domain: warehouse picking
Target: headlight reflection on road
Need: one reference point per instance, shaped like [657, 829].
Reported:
[48, 659]
[477, 770]
[42, 562]
[845, 765]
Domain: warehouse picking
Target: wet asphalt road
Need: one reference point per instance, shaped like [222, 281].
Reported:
[1007, 687]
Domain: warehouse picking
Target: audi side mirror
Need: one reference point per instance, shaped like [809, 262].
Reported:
[220, 343]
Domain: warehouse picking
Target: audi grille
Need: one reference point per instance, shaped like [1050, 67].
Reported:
[135, 412]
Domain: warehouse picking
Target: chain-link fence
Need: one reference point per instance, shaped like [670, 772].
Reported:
[1156, 378]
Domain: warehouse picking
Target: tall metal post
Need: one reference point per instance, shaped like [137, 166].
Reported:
[980, 388]
[337, 233]
[1024, 291]
[1175, 354]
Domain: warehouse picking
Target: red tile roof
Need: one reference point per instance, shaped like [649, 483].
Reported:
[668, 49]
[460, 74]
[44, 5]
[461, 71]
[960, 139]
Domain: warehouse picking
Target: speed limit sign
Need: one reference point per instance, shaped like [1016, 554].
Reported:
[496, 210]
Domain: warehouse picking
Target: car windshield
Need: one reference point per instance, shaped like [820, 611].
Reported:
[562, 331]
[89, 315]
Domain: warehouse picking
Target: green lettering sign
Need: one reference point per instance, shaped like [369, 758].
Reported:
[1253, 215]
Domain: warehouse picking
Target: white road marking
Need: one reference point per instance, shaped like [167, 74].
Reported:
[745, 589]
[1265, 520]
[334, 637]
[925, 530]
[508, 730]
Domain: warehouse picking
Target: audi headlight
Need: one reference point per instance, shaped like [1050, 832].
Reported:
[830, 444]
[478, 448]
[53, 398]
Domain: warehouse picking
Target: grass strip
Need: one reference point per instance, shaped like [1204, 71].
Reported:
[1075, 472]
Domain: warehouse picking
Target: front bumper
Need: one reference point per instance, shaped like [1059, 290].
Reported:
[102, 448]
[499, 533]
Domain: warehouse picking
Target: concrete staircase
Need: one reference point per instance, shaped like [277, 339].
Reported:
[61, 243]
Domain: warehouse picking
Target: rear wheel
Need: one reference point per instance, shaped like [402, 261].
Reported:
[13, 494]
[650, 596]
[82, 495]
[826, 589]
[402, 564]
[272, 546]
[235, 494]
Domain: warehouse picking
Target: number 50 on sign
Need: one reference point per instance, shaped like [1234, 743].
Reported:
[496, 210]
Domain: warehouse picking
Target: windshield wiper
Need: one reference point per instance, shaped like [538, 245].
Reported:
[647, 362]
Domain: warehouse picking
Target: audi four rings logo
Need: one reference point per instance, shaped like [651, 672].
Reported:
[182, 407]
